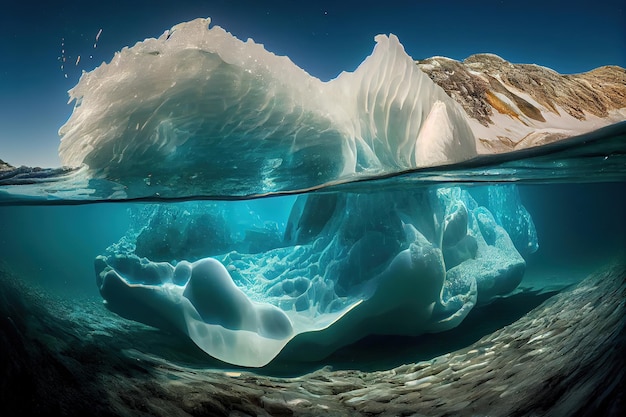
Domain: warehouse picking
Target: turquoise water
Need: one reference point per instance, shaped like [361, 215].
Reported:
[209, 304]
[539, 220]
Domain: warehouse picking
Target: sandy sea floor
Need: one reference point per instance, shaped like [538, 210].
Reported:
[536, 353]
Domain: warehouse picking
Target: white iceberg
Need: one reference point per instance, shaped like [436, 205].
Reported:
[199, 108]
[198, 105]
[392, 262]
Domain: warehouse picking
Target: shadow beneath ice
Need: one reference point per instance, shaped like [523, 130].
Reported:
[373, 353]
[116, 340]
[383, 352]
[73, 357]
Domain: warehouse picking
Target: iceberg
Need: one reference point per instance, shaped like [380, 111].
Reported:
[347, 265]
[198, 106]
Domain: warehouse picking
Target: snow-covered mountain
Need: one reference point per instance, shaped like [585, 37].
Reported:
[514, 106]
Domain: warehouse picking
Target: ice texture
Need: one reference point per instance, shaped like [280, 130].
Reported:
[402, 262]
[197, 105]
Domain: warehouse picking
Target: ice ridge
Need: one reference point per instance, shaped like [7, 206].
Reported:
[198, 105]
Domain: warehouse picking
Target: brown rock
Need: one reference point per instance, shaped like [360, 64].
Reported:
[5, 166]
[486, 85]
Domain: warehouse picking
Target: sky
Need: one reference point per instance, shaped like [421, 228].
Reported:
[323, 37]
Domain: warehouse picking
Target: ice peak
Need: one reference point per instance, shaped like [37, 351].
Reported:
[199, 103]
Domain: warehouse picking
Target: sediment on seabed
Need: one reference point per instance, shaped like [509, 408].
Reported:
[564, 358]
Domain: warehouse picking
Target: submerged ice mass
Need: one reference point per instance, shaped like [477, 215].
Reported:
[345, 265]
[198, 105]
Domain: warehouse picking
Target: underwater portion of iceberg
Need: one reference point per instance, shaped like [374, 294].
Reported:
[199, 106]
[344, 265]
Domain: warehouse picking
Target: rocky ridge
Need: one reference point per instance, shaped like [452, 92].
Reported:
[514, 106]
[5, 166]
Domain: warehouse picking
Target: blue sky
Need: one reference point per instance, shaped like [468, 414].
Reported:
[323, 37]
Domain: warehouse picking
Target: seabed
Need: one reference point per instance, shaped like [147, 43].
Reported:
[62, 357]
